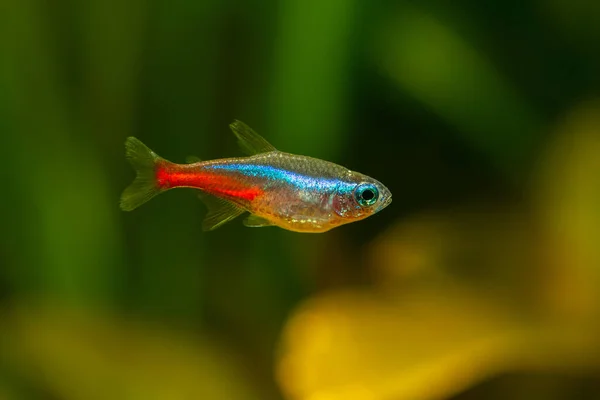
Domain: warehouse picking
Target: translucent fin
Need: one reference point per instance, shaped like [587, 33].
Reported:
[254, 221]
[219, 211]
[192, 160]
[144, 186]
[250, 141]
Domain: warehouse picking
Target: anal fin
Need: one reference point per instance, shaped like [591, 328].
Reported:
[254, 221]
[219, 211]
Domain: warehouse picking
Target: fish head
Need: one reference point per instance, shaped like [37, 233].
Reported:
[360, 196]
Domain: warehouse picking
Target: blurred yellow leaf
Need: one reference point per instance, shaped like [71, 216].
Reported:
[421, 345]
[568, 197]
[358, 345]
[80, 356]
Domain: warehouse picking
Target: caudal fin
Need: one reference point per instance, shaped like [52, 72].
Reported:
[144, 186]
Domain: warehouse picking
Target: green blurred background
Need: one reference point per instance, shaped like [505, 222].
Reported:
[480, 281]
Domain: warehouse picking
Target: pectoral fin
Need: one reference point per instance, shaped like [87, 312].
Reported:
[219, 212]
[254, 221]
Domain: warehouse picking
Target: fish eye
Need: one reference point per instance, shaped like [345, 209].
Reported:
[366, 194]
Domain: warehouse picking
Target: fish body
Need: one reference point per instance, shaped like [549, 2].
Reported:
[294, 192]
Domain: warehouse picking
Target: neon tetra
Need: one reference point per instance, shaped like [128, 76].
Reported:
[296, 193]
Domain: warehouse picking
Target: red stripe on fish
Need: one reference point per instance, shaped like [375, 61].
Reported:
[168, 177]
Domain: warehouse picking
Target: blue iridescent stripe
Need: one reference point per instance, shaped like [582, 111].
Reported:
[275, 174]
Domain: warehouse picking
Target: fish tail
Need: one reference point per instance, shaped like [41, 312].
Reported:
[145, 185]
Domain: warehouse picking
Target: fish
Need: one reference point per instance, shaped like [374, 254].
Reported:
[293, 192]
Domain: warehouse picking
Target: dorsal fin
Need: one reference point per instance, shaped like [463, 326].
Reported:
[219, 211]
[250, 141]
[192, 159]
